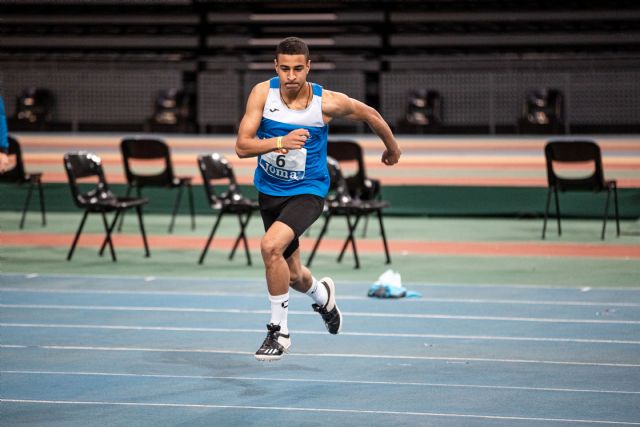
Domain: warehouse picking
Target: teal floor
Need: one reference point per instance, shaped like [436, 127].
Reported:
[81, 350]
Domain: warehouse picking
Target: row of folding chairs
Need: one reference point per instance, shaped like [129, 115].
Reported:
[355, 197]
[132, 150]
[81, 166]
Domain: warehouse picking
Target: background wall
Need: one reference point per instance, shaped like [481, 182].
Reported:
[105, 60]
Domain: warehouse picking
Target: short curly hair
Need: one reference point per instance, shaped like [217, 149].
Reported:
[293, 46]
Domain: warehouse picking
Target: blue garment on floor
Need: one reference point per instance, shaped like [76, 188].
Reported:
[389, 285]
[386, 291]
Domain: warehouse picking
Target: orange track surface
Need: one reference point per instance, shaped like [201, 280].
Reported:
[486, 161]
[498, 249]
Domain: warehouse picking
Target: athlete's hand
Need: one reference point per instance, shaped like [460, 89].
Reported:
[295, 139]
[391, 157]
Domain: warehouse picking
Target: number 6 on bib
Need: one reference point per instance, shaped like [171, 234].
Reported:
[286, 167]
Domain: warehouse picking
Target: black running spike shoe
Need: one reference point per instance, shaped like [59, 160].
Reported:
[330, 312]
[274, 345]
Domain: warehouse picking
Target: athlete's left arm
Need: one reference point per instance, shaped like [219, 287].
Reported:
[336, 104]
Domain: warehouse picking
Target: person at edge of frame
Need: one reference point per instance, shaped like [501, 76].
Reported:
[4, 141]
[285, 126]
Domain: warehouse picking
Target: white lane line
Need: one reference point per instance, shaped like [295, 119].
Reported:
[426, 299]
[527, 302]
[323, 410]
[306, 332]
[260, 281]
[330, 355]
[315, 380]
[310, 313]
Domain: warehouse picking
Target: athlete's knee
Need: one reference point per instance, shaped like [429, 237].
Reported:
[270, 249]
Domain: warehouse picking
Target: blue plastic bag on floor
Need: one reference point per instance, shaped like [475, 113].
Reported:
[389, 285]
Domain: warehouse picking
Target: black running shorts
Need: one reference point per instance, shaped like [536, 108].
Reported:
[298, 212]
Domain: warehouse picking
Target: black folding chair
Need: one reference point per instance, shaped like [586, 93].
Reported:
[572, 152]
[83, 165]
[134, 149]
[340, 203]
[18, 175]
[216, 170]
[359, 185]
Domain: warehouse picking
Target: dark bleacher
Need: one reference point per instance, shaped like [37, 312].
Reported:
[106, 59]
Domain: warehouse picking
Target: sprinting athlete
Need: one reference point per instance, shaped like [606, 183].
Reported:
[286, 126]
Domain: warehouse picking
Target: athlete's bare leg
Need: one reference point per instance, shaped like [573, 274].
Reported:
[283, 273]
[273, 244]
[300, 276]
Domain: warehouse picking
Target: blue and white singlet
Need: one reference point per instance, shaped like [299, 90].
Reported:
[301, 171]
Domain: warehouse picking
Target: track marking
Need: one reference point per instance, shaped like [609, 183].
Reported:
[342, 296]
[259, 280]
[324, 410]
[309, 313]
[306, 332]
[315, 380]
[330, 355]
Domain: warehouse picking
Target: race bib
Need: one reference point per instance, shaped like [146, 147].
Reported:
[286, 167]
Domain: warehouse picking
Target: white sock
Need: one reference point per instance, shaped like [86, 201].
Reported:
[279, 311]
[318, 292]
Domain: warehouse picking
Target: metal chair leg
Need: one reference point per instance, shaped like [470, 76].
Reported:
[213, 232]
[105, 241]
[320, 236]
[176, 206]
[546, 213]
[127, 194]
[147, 253]
[191, 207]
[615, 205]
[246, 242]
[26, 205]
[366, 225]
[606, 213]
[236, 243]
[384, 237]
[353, 241]
[351, 238]
[558, 215]
[107, 229]
[42, 209]
[77, 236]
[242, 237]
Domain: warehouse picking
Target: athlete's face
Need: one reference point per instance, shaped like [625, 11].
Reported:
[292, 70]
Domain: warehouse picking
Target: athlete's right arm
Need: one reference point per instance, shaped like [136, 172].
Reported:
[247, 143]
